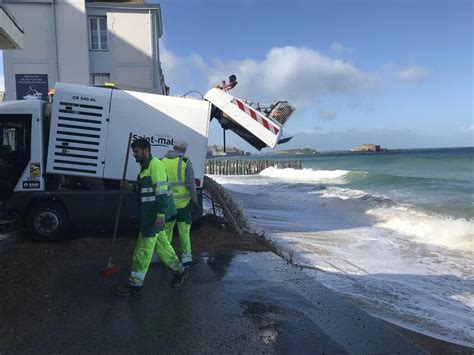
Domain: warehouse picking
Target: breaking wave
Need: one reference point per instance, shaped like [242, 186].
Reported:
[345, 177]
[426, 227]
[304, 174]
[429, 228]
[422, 225]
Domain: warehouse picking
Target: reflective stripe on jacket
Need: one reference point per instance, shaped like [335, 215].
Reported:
[154, 196]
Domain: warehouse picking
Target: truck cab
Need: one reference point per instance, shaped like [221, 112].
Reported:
[20, 125]
[49, 204]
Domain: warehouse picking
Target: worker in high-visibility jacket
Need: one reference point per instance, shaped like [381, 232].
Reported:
[183, 188]
[155, 205]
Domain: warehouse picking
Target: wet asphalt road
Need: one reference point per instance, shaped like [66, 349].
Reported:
[231, 303]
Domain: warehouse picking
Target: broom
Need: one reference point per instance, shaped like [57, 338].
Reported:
[112, 268]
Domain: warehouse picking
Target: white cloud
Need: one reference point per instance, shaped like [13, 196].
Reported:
[299, 75]
[340, 49]
[414, 73]
[181, 71]
[296, 74]
[327, 115]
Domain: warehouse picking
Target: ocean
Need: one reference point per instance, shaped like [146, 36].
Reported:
[392, 231]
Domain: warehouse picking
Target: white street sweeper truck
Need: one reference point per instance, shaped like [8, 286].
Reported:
[60, 163]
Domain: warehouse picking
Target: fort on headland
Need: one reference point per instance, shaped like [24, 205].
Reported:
[368, 148]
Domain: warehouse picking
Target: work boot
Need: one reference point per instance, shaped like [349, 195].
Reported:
[191, 263]
[179, 278]
[127, 290]
[187, 260]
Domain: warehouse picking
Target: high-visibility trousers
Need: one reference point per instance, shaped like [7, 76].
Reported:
[144, 249]
[183, 219]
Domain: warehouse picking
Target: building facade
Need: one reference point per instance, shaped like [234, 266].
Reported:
[11, 33]
[218, 151]
[84, 42]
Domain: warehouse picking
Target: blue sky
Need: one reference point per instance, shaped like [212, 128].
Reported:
[394, 73]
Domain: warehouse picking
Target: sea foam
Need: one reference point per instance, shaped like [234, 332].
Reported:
[388, 254]
[304, 174]
[430, 228]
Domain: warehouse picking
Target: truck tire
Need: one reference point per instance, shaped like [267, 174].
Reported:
[48, 221]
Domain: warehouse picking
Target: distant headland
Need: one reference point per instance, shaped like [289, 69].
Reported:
[305, 151]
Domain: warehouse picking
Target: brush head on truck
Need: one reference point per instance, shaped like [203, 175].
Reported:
[259, 125]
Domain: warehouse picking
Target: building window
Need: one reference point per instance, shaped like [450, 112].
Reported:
[100, 79]
[98, 33]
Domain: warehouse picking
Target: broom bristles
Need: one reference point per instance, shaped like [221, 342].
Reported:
[110, 271]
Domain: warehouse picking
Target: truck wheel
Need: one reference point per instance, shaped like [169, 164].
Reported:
[48, 221]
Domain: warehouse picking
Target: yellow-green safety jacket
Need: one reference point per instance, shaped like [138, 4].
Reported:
[153, 196]
[176, 165]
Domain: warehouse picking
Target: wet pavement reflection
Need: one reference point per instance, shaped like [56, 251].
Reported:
[230, 303]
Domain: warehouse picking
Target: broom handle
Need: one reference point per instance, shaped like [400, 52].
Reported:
[119, 208]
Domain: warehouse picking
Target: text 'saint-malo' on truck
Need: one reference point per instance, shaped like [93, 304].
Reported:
[61, 163]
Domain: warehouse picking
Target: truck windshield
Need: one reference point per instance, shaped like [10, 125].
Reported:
[14, 135]
[15, 146]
